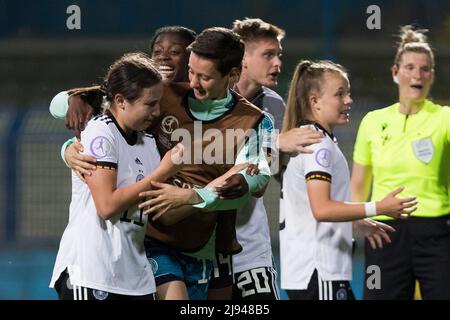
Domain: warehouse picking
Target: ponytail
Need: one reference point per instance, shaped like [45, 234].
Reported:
[305, 81]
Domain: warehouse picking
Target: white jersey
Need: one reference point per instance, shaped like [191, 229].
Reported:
[306, 244]
[252, 231]
[252, 226]
[109, 255]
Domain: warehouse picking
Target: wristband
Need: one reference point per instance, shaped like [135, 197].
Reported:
[370, 208]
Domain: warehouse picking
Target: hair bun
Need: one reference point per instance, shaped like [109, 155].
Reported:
[409, 35]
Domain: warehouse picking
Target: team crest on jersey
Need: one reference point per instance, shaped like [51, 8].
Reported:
[100, 147]
[423, 149]
[153, 264]
[169, 124]
[323, 157]
[99, 294]
[341, 294]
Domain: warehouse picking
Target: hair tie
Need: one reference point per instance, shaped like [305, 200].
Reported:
[104, 90]
[104, 87]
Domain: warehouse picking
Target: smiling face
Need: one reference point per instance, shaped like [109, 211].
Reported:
[415, 76]
[170, 55]
[262, 63]
[332, 106]
[139, 114]
[206, 81]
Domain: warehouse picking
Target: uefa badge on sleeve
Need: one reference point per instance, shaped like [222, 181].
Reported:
[100, 147]
[323, 157]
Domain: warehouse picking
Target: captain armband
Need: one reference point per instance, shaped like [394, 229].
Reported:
[106, 165]
[318, 175]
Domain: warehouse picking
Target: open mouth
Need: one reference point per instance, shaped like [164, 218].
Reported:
[166, 69]
[274, 75]
[417, 86]
[199, 92]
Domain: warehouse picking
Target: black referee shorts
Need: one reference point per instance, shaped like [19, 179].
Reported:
[420, 250]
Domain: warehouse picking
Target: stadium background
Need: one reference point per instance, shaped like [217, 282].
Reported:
[39, 57]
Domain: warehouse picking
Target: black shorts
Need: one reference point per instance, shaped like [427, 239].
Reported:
[66, 291]
[222, 272]
[420, 250]
[256, 284]
[323, 290]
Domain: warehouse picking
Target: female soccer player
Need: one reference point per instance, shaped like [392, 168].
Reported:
[101, 254]
[315, 227]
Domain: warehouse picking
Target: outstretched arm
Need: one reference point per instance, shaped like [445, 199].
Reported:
[171, 204]
[325, 209]
[297, 140]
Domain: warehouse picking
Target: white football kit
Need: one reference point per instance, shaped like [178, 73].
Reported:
[109, 254]
[305, 244]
